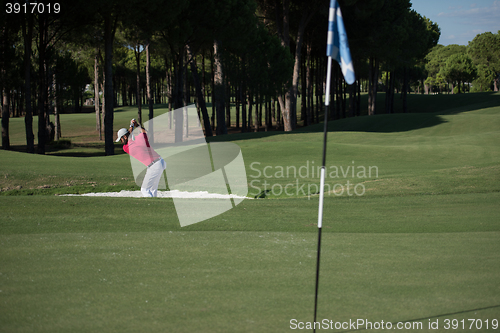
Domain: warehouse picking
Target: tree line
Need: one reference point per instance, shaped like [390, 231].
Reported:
[475, 67]
[263, 56]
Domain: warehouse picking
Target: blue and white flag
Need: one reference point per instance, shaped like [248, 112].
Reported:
[337, 43]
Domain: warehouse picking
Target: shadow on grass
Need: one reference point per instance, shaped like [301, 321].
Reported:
[84, 150]
[423, 111]
[157, 108]
[74, 150]
[453, 104]
[430, 317]
[390, 123]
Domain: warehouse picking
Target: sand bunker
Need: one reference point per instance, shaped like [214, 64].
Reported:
[161, 194]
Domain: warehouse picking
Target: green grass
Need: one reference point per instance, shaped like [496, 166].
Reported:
[422, 244]
[239, 281]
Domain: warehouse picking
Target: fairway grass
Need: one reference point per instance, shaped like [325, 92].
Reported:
[420, 245]
[410, 214]
[254, 281]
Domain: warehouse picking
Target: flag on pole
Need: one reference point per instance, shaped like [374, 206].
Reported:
[337, 44]
[337, 48]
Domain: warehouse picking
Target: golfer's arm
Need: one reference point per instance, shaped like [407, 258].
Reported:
[131, 129]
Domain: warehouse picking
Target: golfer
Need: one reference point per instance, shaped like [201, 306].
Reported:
[138, 147]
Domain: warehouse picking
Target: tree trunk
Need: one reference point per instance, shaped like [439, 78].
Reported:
[338, 87]
[250, 104]
[332, 112]
[352, 102]
[273, 113]
[228, 104]
[268, 122]
[28, 118]
[303, 93]
[284, 101]
[5, 119]
[103, 104]
[358, 104]
[307, 90]
[212, 86]
[57, 120]
[149, 92]
[169, 87]
[203, 90]
[186, 100]
[57, 123]
[42, 95]
[97, 106]
[405, 90]
[335, 102]
[237, 103]
[250, 110]
[318, 93]
[178, 81]
[279, 116]
[344, 96]
[137, 54]
[388, 96]
[4, 100]
[372, 87]
[109, 33]
[306, 16]
[256, 117]
[178, 95]
[219, 90]
[199, 94]
[391, 97]
[243, 95]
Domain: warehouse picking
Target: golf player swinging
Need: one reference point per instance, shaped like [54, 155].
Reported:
[138, 147]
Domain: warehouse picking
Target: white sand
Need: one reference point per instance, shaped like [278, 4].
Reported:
[161, 194]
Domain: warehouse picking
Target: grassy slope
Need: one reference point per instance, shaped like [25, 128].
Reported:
[422, 242]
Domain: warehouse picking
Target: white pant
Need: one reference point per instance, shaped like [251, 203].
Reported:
[152, 178]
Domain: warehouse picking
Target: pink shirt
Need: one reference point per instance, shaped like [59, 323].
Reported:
[140, 149]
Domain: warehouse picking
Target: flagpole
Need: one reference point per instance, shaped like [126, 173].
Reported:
[333, 40]
[322, 184]
[337, 47]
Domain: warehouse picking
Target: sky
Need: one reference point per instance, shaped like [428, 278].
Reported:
[460, 20]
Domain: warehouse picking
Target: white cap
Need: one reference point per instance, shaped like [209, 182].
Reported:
[121, 133]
